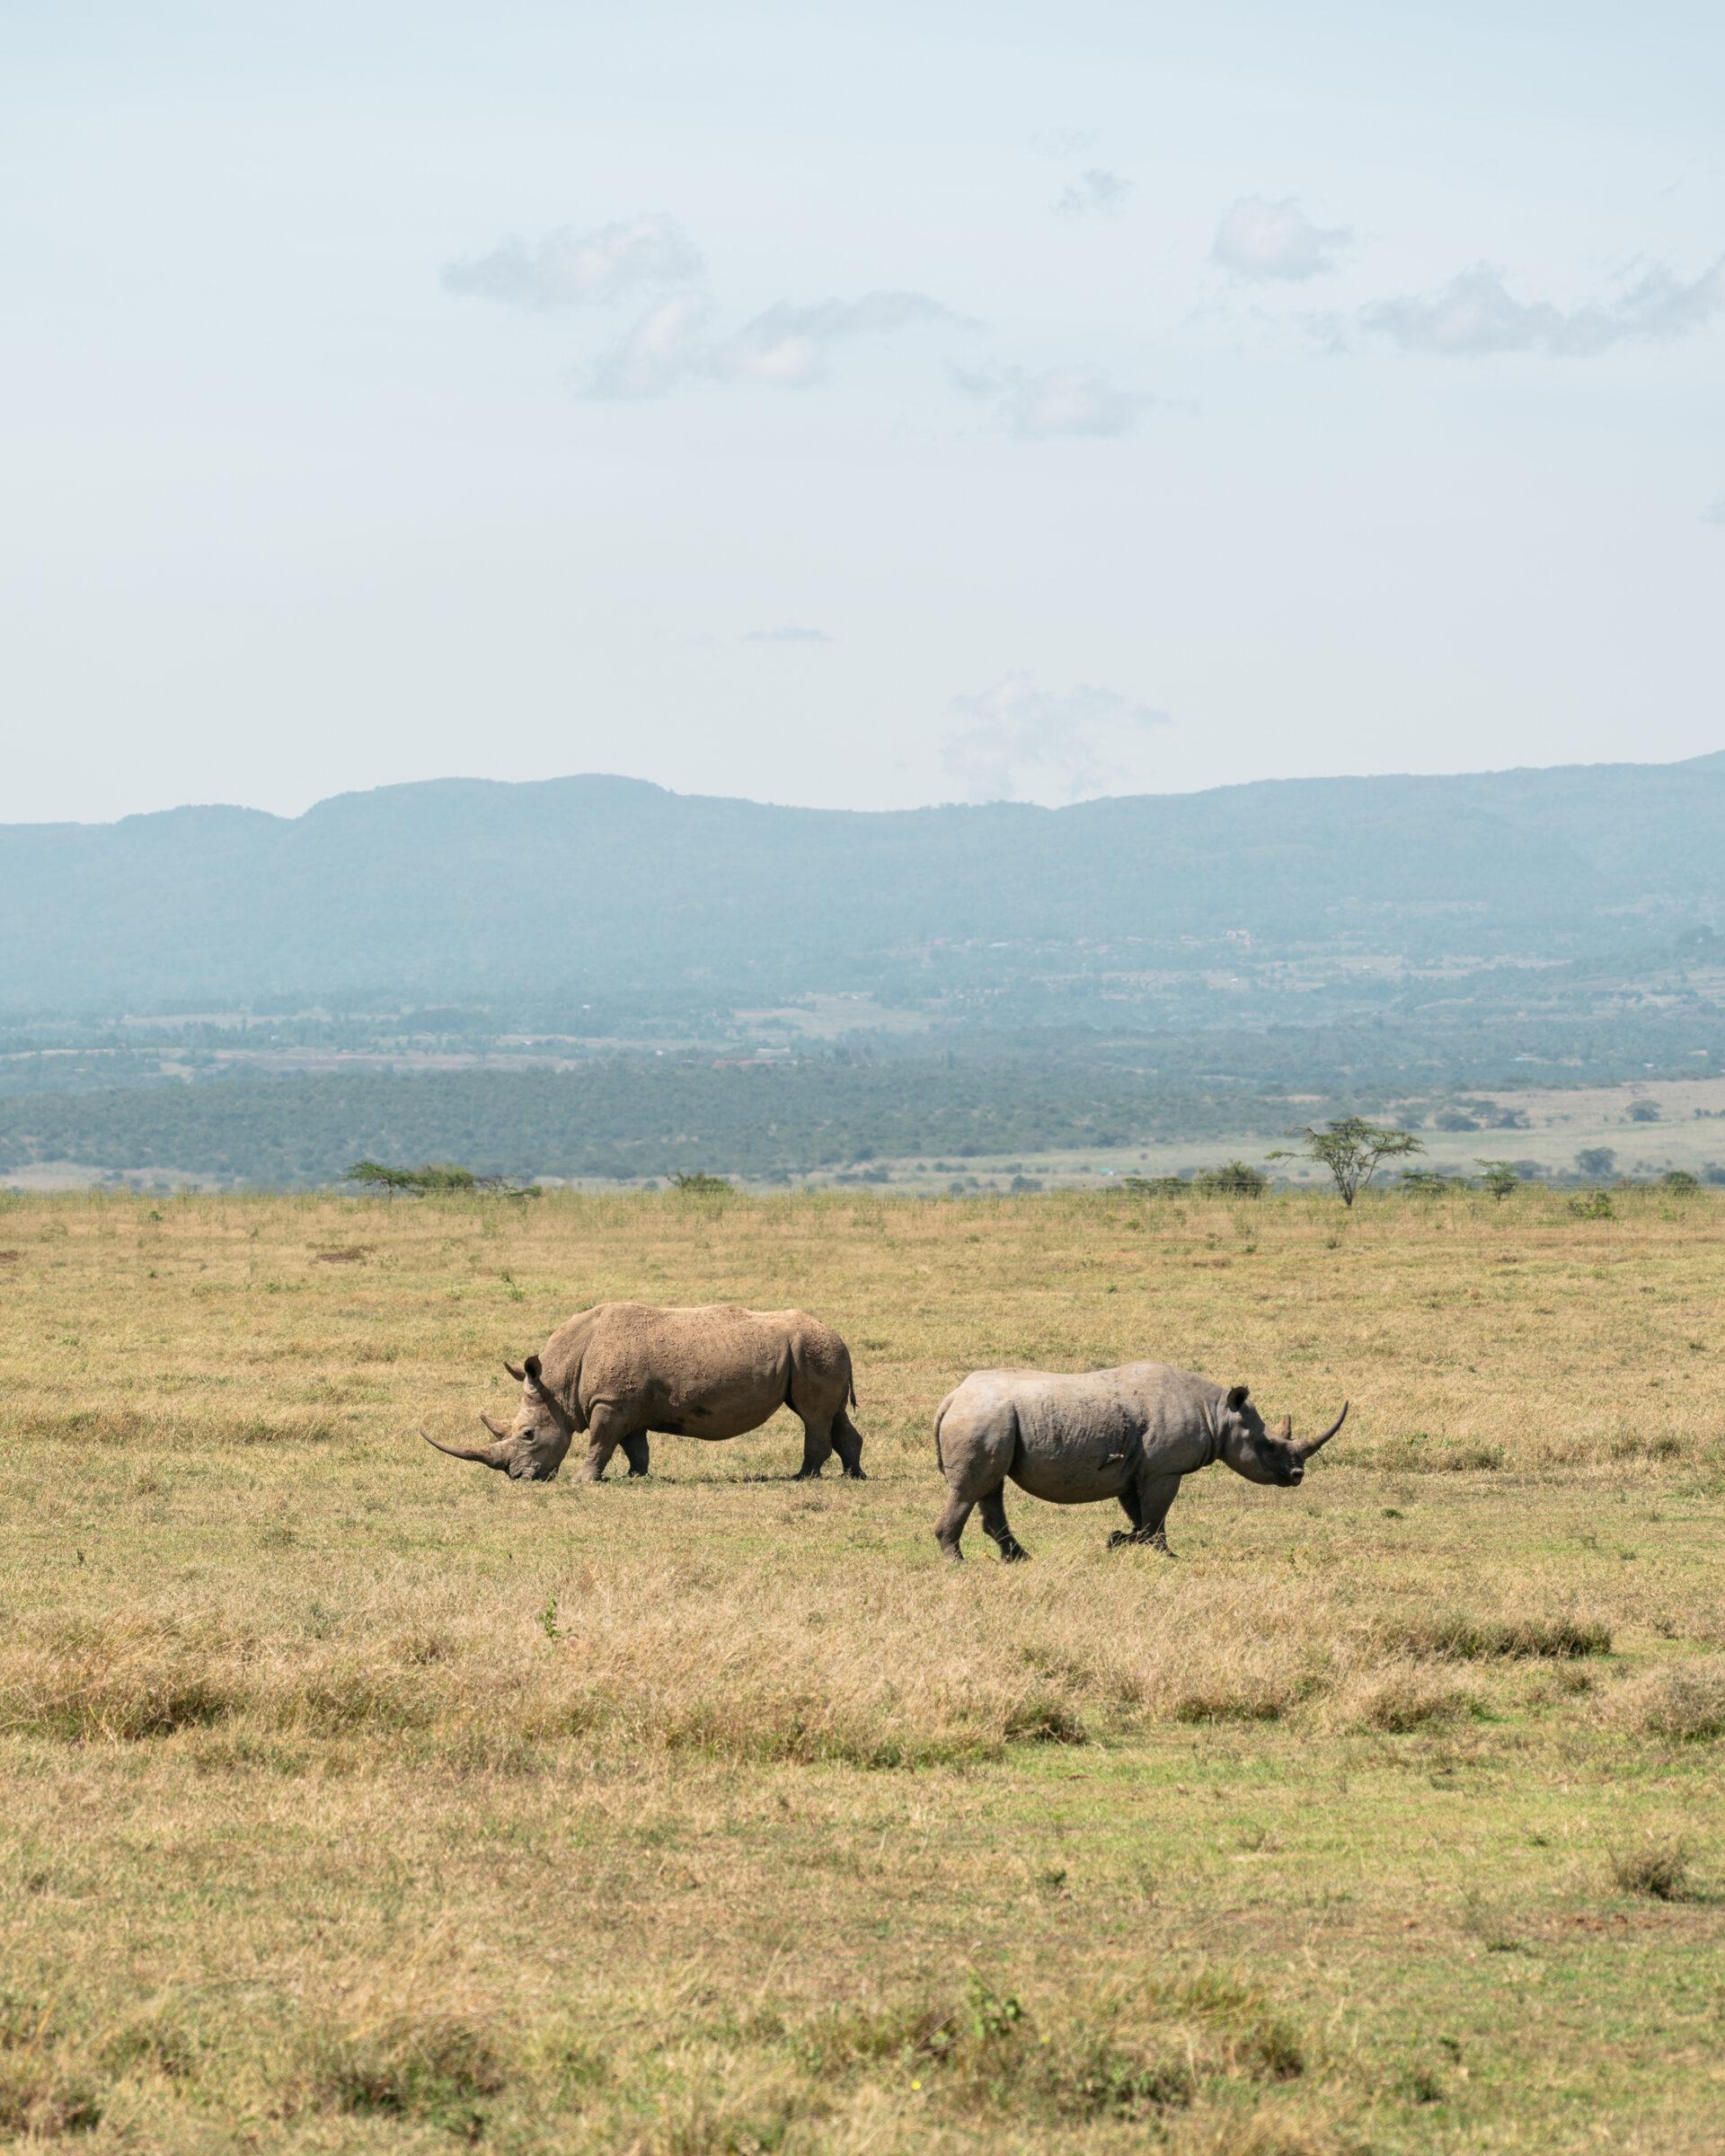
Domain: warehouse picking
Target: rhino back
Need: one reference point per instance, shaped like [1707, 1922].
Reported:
[1085, 1434]
[718, 1367]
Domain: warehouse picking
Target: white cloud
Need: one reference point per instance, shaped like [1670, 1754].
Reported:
[1058, 401]
[1261, 239]
[789, 635]
[787, 347]
[1018, 742]
[1476, 312]
[1716, 515]
[664, 347]
[568, 269]
[1097, 193]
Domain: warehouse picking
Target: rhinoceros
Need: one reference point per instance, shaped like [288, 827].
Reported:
[619, 1371]
[1130, 1434]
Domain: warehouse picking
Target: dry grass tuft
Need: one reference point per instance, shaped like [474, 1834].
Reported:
[1658, 1866]
[1400, 1700]
[1122, 2053]
[1266, 2131]
[1454, 1636]
[407, 2066]
[1684, 1703]
[40, 2099]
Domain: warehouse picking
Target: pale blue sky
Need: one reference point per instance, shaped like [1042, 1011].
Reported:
[856, 407]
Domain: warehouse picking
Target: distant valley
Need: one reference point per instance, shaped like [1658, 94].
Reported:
[593, 978]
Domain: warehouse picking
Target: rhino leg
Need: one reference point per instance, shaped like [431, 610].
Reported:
[949, 1527]
[975, 1449]
[847, 1441]
[1146, 1505]
[817, 1448]
[635, 1452]
[605, 1431]
[993, 1525]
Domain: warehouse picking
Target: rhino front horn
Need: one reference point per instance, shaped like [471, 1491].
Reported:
[487, 1455]
[1312, 1444]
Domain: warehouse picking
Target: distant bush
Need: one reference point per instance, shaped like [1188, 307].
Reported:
[702, 1186]
[1644, 1111]
[1595, 1161]
[438, 1176]
[1233, 1178]
[1429, 1180]
[1680, 1178]
[1592, 1204]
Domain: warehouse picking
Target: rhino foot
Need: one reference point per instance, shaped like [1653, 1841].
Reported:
[1137, 1538]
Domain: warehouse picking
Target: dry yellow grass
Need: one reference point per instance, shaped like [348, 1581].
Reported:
[361, 1800]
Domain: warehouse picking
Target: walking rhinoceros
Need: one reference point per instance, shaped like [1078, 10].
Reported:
[619, 1371]
[1130, 1434]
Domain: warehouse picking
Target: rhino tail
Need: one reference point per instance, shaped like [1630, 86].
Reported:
[939, 1416]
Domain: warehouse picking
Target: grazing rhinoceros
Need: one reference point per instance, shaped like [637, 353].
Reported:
[621, 1370]
[1130, 1434]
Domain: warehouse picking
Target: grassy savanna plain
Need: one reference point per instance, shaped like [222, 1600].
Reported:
[358, 1799]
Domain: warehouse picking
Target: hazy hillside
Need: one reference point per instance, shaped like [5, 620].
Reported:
[464, 888]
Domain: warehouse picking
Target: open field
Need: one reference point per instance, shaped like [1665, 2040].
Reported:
[360, 1801]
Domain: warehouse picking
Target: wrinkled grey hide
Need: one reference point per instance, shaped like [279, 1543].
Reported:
[1129, 1434]
[622, 1371]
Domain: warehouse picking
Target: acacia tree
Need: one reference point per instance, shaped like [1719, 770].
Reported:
[1500, 1177]
[1352, 1149]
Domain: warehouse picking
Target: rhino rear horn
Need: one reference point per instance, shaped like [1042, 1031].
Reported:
[1312, 1444]
[487, 1455]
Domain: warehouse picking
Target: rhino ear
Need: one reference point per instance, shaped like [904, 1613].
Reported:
[1237, 1398]
[534, 1367]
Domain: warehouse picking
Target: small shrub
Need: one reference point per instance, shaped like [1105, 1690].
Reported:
[702, 1186]
[1593, 1204]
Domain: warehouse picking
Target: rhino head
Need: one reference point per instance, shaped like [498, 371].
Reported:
[532, 1449]
[1264, 1455]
